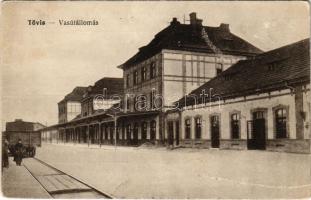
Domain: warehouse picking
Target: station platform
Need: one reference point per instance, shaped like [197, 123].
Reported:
[17, 182]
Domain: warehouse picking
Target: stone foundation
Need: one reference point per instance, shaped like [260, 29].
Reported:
[233, 144]
[285, 145]
[195, 143]
[279, 145]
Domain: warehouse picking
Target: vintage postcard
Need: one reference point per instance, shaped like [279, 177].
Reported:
[155, 99]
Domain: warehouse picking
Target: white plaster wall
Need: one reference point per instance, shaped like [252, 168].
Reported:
[306, 109]
[73, 112]
[245, 108]
[199, 68]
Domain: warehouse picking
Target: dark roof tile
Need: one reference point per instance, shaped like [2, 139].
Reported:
[189, 38]
[114, 86]
[274, 69]
[76, 94]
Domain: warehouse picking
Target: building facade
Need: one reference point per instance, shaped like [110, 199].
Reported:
[179, 59]
[263, 103]
[70, 106]
[102, 95]
[200, 86]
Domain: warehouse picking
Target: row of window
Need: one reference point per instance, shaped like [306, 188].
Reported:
[127, 132]
[280, 121]
[131, 132]
[143, 74]
[140, 102]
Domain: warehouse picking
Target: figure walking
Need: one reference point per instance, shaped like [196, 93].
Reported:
[18, 155]
[5, 154]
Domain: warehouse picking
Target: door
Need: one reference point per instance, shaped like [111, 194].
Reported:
[177, 132]
[256, 137]
[215, 131]
[170, 133]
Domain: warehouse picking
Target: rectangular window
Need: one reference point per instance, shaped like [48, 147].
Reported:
[128, 80]
[187, 128]
[127, 104]
[143, 73]
[144, 130]
[198, 128]
[135, 77]
[152, 70]
[153, 130]
[235, 126]
[280, 123]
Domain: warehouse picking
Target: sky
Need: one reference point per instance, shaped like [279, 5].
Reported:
[41, 64]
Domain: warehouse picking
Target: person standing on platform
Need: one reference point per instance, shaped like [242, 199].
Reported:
[5, 154]
[19, 149]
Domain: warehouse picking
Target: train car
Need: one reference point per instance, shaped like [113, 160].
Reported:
[27, 132]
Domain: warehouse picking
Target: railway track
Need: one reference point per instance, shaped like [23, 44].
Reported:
[59, 184]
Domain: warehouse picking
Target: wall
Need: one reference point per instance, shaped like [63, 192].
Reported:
[244, 106]
[31, 137]
[185, 71]
[62, 117]
[143, 87]
[73, 109]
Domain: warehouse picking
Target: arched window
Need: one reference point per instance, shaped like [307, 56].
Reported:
[198, 127]
[235, 126]
[153, 129]
[144, 130]
[280, 122]
[187, 128]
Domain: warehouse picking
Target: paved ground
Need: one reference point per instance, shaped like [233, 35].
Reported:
[184, 173]
[17, 182]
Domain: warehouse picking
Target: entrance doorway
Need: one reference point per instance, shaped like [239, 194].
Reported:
[170, 136]
[215, 131]
[256, 131]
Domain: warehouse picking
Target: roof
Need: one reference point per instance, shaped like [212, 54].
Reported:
[113, 86]
[276, 69]
[187, 37]
[75, 95]
[23, 126]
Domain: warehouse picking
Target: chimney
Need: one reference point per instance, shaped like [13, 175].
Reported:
[193, 18]
[18, 120]
[224, 27]
[199, 22]
[175, 21]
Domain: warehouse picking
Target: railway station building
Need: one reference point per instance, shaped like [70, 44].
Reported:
[253, 95]
[260, 103]
[177, 60]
